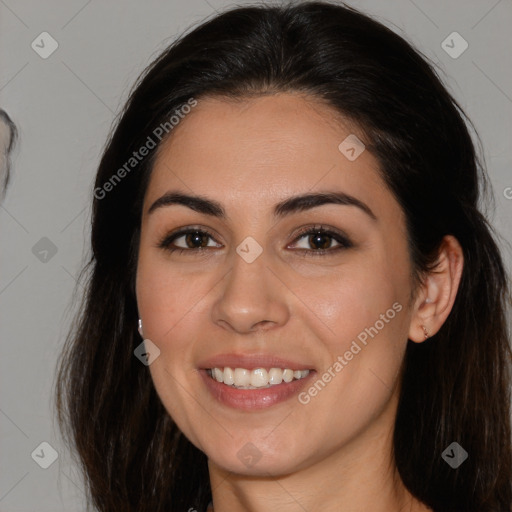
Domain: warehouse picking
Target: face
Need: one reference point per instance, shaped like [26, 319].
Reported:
[258, 287]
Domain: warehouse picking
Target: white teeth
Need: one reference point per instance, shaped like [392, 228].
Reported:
[275, 376]
[242, 377]
[288, 375]
[257, 378]
[218, 375]
[229, 377]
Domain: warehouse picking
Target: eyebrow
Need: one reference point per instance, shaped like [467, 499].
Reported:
[291, 205]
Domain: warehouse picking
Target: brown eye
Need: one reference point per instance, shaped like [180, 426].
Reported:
[318, 237]
[321, 240]
[193, 240]
[197, 237]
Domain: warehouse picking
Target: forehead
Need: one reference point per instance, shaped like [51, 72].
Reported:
[262, 150]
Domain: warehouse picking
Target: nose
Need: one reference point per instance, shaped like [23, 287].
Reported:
[251, 298]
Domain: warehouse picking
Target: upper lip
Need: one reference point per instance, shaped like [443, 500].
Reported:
[251, 361]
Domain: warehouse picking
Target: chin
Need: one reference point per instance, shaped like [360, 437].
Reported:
[250, 461]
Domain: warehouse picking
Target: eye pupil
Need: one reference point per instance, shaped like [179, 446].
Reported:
[196, 237]
[317, 238]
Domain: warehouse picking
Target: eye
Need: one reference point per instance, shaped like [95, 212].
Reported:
[196, 240]
[321, 237]
[193, 240]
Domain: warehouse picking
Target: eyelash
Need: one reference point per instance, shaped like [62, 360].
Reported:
[344, 242]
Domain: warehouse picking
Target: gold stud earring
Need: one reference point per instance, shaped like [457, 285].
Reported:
[427, 335]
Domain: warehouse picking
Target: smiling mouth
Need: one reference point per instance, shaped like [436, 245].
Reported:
[259, 378]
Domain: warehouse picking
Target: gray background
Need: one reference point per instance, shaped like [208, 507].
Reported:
[64, 106]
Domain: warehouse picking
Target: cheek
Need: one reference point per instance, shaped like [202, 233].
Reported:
[363, 357]
[168, 302]
[364, 315]
[165, 296]
[352, 298]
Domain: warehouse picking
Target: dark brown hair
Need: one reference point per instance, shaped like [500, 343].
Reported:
[5, 152]
[456, 386]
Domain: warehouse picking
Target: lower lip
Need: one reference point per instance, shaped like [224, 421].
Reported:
[249, 399]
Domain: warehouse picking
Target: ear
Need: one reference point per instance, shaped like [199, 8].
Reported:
[437, 295]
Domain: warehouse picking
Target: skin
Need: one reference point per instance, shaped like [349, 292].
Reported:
[334, 453]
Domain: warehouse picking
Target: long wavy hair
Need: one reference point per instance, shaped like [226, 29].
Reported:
[455, 387]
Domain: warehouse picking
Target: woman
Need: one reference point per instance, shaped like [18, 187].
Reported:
[293, 301]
